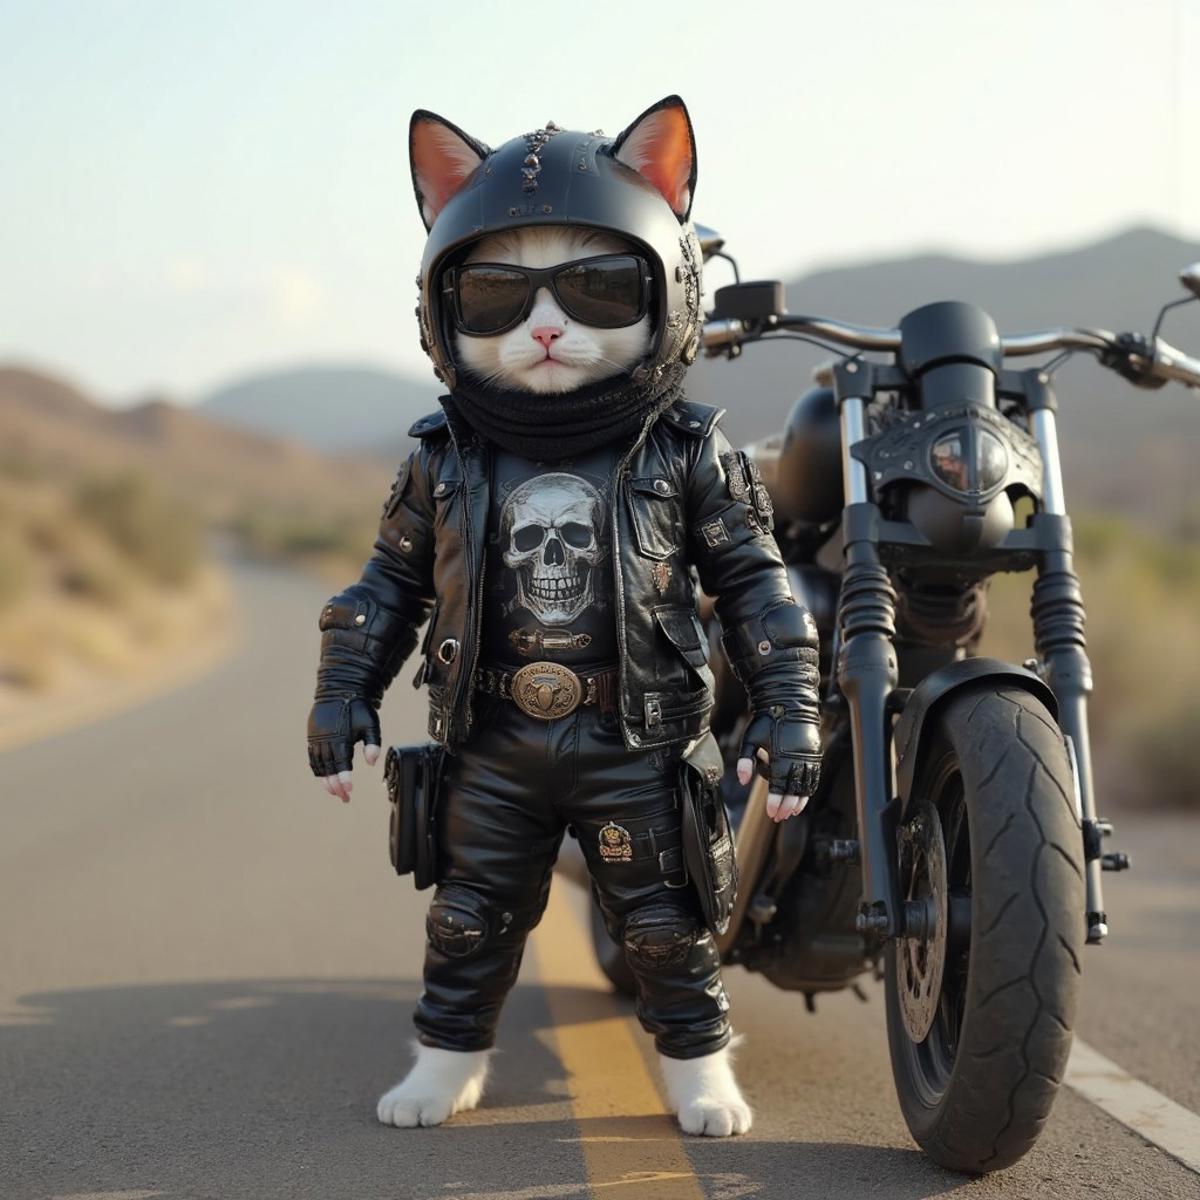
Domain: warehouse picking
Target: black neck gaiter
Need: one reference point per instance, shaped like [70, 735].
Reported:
[554, 425]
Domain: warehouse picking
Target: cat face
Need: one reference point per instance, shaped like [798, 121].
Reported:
[549, 351]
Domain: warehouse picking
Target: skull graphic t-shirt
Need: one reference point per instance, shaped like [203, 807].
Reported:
[548, 591]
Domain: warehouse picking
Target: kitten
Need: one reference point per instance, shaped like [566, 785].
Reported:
[548, 351]
[701, 1091]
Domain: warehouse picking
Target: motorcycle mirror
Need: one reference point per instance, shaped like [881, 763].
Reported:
[1190, 278]
[710, 241]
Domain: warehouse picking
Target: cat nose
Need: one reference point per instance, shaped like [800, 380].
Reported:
[546, 334]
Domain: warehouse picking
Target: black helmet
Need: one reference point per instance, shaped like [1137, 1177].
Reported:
[559, 176]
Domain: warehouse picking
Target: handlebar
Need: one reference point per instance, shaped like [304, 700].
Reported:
[1139, 360]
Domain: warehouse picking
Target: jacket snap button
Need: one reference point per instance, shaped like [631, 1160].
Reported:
[360, 619]
[406, 543]
[764, 647]
[440, 490]
[661, 486]
[448, 650]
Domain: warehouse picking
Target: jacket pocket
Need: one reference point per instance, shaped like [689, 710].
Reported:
[444, 493]
[423, 653]
[654, 508]
[683, 630]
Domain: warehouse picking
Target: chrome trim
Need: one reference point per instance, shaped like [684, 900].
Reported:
[860, 337]
[722, 333]
[854, 473]
[1170, 363]
[1045, 431]
[1041, 340]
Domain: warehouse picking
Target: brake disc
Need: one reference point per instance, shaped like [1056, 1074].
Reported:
[921, 953]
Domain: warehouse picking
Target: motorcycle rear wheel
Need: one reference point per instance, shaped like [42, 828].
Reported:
[1000, 1005]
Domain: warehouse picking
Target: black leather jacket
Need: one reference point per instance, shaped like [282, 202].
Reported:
[683, 498]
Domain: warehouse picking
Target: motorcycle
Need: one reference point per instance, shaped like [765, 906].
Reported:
[952, 847]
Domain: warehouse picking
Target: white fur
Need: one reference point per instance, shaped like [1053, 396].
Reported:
[701, 1091]
[704, 1093]
[441, 1083]
[582, 353]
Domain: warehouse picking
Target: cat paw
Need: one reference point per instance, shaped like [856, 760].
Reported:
[407, 1107]
[440, 1084]
[715, 1118]
[704, 1094]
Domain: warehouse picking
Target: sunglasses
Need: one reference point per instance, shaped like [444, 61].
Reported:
[606, 291]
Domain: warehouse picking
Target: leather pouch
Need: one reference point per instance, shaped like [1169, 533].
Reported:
[708, 842]
[413, 775]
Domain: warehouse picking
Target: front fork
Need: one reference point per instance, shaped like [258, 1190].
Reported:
[867, 670]
[1058, 622]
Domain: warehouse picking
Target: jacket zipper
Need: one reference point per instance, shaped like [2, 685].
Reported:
[473, 632]
[618, 582]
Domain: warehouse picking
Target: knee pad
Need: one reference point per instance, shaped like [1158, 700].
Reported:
[660, 935]
[460, 920]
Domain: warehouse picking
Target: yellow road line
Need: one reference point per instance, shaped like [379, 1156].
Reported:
[630, 1142]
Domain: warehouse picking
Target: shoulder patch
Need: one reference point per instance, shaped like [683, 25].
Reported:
[428, 425]
[693, 417]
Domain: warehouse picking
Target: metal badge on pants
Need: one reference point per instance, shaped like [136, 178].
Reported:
[615, 843]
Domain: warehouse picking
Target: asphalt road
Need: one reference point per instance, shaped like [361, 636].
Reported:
[207, 973]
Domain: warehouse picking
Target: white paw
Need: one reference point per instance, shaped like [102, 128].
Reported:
[406, 1107]
[441, 1083]
[715, 1118]
[705, 1095]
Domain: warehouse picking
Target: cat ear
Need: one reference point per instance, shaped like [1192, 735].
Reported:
[441, 157]
[661, 146]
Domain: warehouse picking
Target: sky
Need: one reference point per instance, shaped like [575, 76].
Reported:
[201, 189]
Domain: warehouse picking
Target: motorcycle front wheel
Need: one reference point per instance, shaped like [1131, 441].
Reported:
[981, 998]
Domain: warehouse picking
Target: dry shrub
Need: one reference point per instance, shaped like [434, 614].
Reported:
[1142, 595]
[156, 533]
[286, 536]
[16, 566]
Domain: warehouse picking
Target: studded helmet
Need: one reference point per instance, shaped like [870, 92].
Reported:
[638, 185]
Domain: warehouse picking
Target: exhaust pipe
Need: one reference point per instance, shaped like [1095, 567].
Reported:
[752, 842]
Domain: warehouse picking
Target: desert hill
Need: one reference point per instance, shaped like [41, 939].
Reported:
[51, 424]
[1115, 438]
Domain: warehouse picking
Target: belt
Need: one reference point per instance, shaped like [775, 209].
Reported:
[549, 690]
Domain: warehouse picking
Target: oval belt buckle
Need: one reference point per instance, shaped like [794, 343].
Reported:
[546, 690]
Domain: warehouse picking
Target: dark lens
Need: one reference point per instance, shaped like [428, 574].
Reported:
[489, 297]
[605, 292]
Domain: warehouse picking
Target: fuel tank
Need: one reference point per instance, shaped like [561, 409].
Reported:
[808, 472]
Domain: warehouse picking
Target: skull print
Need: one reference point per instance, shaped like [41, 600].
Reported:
[552, 528]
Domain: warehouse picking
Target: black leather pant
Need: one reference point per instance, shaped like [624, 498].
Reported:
[507, 799]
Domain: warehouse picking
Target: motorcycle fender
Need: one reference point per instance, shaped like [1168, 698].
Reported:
[909, 734]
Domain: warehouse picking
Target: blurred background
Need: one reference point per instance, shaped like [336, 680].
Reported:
[208, 364]
[206, 332]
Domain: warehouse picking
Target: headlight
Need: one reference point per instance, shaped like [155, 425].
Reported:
[953, 455]
[991, 460]
[948, 457]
